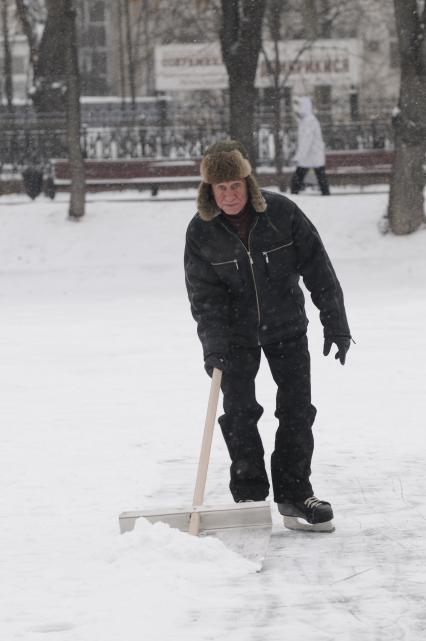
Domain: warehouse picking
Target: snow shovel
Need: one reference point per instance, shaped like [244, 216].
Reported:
[244, 527]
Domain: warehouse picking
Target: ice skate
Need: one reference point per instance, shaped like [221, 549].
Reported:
[310, 515]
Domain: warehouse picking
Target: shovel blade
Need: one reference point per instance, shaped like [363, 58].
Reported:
[244, 528]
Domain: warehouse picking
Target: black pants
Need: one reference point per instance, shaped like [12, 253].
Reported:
[291, 460]
[298, 178]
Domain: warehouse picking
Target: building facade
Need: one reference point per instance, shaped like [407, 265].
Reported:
[95, 28]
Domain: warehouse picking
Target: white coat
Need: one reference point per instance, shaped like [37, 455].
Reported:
[310, 150]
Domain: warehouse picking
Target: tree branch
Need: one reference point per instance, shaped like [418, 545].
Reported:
[241, 36]
[22, 13]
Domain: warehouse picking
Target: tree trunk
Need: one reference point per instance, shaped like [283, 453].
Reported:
[8, 73]
[278, 141]
[406, 203]
[49, 72]
[75, 155]
[406, 207]
[277, 118]
[22, 14]
[241, 41]
[274, 11]
[130, 54]
[310, 19]
[242, 100]
[122, 66]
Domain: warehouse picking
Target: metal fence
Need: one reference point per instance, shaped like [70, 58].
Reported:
[28, 145]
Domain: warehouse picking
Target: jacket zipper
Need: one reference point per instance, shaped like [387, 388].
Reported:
[265, 254]
[227, 262]
[252, 271]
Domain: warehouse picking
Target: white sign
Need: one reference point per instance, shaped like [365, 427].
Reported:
[322, 62]
[199, 66]
[179, 67]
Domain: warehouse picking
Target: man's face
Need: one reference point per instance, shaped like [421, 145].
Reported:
[231, 196]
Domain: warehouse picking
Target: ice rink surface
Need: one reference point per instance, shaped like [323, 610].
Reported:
[103, 398]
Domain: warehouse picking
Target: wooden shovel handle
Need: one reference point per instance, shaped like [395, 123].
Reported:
[206, 444]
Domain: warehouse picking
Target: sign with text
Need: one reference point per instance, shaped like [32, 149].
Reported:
[181, 67]
[185, 66]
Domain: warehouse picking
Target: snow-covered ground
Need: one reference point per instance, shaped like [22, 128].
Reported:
[103, 399]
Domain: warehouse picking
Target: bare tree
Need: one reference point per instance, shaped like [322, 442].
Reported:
[138, 24]
[241, 40]
[193, 21]
[75, 156]
[8, 74]
[48, 56]
[273, 66]
[122, 66]
[311, 18]
[31, 15]
[275, 8]
[130, 53]
[406, 206]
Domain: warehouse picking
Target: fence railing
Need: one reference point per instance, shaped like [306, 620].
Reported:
[25, 146]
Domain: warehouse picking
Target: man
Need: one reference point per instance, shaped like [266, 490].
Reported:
[245, 251]
[310, 152]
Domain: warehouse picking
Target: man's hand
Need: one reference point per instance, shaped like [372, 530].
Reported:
[217, 361]
[343, 344]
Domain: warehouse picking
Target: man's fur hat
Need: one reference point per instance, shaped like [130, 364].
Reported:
[223, 161]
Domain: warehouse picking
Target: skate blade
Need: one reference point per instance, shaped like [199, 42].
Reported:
[295, 523]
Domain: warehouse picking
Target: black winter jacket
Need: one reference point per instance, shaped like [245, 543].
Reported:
[252, 296]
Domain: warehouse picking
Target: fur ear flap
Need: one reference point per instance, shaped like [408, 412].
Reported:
[206, 203]
[256, 198]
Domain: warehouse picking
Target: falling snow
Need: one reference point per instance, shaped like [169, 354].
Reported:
[102, 406]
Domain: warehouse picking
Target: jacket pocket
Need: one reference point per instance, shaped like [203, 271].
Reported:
[226, 262]
[229, 272]
[278, 260]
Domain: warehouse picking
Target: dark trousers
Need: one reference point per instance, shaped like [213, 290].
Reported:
[297, 181]
[291, 460]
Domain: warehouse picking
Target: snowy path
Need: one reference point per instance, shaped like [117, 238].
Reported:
[97, 418]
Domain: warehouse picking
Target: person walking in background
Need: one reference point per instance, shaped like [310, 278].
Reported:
[245, 252]
[310, 152]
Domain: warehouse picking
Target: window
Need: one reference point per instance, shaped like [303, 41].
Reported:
[19, 88]
[18, 64]
[288, 100]
[99, 64]
[97, 11]
[354, 103]
[373, 46]
[96, 36]
[322, 101]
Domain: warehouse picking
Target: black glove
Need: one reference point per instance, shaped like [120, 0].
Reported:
[343, 344]
[215, 360]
